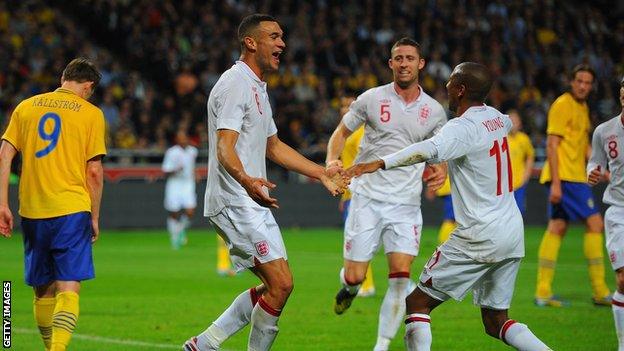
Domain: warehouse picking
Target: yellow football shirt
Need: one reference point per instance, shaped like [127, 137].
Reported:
[520, 149]
[350, 151]
[56, 134]
[445, 189]
[569, 119]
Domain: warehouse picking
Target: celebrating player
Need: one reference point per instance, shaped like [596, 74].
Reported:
[570, 198]
[60, 137]
[242, 134]
[385, 207]
[607, 151]
[483, 254]
[180, 197]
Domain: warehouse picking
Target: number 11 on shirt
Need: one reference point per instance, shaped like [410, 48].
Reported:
[496, 151]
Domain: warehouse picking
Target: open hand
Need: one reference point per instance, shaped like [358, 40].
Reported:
[362, 168]
[436, 175]
[6, 221]
[255, 189]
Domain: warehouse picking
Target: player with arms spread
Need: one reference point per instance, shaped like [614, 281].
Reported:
[385, 207]
[483, 254]
[60, 137]
[607, 152]
[242, 135]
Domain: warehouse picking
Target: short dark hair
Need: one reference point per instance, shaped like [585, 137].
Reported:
[81, 70]
[583, 67]
[406, 41]
[250, 23]
[476, 78]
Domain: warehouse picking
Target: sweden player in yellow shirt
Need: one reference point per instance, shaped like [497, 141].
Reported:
[60, 137]
[522, 155]
[347, 157]
[570, 197]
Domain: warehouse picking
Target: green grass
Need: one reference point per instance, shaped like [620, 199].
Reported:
[146, 292]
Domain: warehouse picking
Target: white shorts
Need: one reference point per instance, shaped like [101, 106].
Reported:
[614, 229]
[450, 273]
[370, 221]
[252, 235]
[180, 198]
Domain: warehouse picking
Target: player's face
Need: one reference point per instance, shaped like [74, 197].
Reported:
[582, 84]
[405, 64]
[345, 102]
[515, 121]
[182, 139]
[270, 45]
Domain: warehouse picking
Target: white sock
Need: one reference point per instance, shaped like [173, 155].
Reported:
[174, 227]
[520, 337]
[392, 309]
[263, 326]
[233, 319]
[352, 289]
[418, 332]
[617, 305]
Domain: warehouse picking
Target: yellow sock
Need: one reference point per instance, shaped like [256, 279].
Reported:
[368, 282]
[593, 249]
[445, 231]
[548, 252]
[64, 320]
[223, 256]
[43, 309]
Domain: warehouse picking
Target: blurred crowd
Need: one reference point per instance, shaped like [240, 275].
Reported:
[160, 59]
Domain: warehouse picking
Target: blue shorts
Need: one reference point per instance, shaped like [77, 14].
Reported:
[345, 210]
[58, 248]
[449, 215]
[520, 196]
[577, 202]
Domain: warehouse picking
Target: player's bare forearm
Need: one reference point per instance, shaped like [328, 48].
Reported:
[552, 145]
[289, 158]
[336, 143]
[7, 153]
[95, 185]
[528, 169]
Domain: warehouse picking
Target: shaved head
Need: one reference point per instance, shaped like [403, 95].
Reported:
[476, 78]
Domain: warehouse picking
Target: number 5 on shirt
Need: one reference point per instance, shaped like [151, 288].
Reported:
[52, 137]
[385, 113]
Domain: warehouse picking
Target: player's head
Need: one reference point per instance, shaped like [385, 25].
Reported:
[181, 138]
[469, 82]
[261, 36]
[516, 121]
[84, 73]
[405, 62]
[581, 81]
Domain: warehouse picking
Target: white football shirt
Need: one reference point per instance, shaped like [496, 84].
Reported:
[607, 150]
[390, 125]
[490, 227]
[180, 161]
[239, 102]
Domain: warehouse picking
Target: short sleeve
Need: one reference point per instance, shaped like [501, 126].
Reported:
[97, 145]
[169, 162]
[231, 107]
[558, 118]
[598, 156]
[11, 134]
[271, 128]
[356, 116]
[530, 151]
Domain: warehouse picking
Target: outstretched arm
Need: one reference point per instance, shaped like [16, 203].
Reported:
[7, 153]
[336, 145]
[289, 158]
[415, 153]
[226, 154]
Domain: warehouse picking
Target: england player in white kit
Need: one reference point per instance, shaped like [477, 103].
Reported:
[180, 197]
[242, 134]
[483, 254]
[608, 154]
[385, 206]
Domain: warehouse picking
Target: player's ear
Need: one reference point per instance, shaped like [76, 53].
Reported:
[390, 63]
[421, 64]
[250, 44]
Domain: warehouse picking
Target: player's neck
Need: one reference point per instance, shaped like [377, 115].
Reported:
[74, 87]
[409, 94]
[253, 64]
[465, 105]
[622, 117]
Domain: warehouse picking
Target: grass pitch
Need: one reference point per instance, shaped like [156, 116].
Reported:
[148, 297]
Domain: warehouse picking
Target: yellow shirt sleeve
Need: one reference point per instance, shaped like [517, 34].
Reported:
[96, 145]
[12, 134]
[558, 118]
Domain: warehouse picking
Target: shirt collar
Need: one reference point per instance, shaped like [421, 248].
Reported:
[247, 70]
[63, 90]
[401, 98]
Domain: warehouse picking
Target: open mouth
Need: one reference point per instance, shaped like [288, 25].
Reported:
[276, 55]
